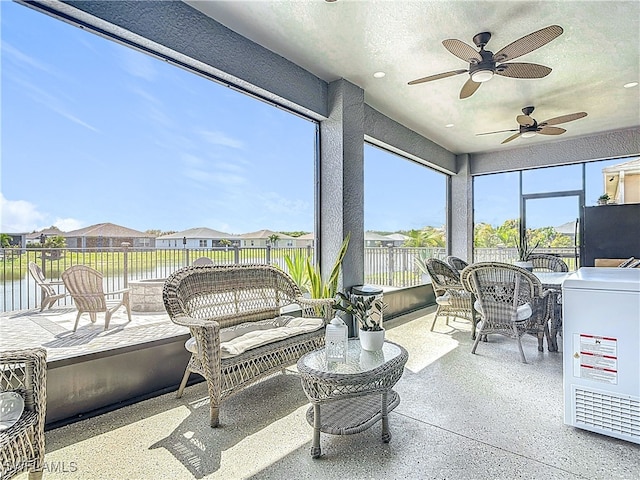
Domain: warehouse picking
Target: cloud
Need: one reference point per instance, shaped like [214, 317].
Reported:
[9, 51]
[67, 224]
[19, 216]
[221, 139]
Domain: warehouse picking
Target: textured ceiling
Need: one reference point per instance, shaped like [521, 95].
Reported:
[595, 56]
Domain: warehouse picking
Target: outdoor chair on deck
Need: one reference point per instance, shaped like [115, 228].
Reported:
[510, 301]
[203, 261]
[85, 286]
[451, 298]
[48, 294]
[547, 263]
[456, 263]
[23, 386]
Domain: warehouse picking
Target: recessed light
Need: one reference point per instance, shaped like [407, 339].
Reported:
[449, 125]
[630, 85]
[379, 74]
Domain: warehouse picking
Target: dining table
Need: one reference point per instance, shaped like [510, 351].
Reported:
[552, 281]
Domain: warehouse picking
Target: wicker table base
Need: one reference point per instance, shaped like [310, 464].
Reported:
[350, 397]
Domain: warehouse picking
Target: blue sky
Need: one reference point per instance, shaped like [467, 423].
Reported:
[94, 132]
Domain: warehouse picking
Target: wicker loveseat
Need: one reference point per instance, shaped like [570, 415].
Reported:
[223, 306]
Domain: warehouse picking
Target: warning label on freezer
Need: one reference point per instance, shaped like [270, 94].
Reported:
[596, 358]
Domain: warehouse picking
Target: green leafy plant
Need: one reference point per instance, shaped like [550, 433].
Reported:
[297, 268]
[361, 308]
[421, 262]
[604, 199]
[318, 287]
[524, 247]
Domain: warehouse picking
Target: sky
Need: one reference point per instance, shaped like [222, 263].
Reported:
[93, 132]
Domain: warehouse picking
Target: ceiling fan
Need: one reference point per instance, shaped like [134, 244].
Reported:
[529, 127]
[484, 64]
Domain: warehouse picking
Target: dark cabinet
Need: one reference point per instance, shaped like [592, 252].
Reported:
[611, 231]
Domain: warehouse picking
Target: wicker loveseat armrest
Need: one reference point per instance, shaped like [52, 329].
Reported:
[22, 444]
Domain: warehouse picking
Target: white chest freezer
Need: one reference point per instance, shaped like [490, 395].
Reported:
[601, 351]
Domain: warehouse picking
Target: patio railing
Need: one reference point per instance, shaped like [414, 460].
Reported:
[384, 266]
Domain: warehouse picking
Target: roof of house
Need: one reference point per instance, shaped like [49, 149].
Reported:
[198, 232]
[398, 236]
[266, 234]
[633, 165]
[107, 230]
[371, 236]
[48, 232]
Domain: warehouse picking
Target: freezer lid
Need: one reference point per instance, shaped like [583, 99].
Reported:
[598, 278]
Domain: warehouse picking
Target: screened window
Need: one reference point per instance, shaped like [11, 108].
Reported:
[404, 218]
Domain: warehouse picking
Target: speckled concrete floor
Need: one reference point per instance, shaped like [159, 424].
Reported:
[461, 416]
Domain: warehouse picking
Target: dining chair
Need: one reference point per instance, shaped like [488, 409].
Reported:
[86, 288]
[451, 297]
[547, 263]
[509, 300]
[48, 294]
[456, 263]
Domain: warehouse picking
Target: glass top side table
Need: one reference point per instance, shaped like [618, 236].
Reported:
[353, 395]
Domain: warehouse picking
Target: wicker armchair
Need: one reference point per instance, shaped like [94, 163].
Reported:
[48, 295]
[451, 298]
[456, 263]
[22, 444]
[214, 300]
[85, 286]
[547, 263]
[510, 301]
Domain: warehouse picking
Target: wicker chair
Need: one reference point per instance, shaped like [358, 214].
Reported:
[214, 300]
[547, 263]
[22, 444]
[456, 263]
[510, 301]
[451, 298]
[85, 286]
[48, 294]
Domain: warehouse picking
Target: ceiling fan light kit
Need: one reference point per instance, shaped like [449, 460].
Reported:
[529, 127]
[483, 64]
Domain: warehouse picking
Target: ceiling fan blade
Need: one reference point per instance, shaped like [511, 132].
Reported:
[512, 137]
[564, 119]
[499, 131]
[522, 70]
[528, 43]
[525, 120]
[469, 88]
[551, 131]
[462, 50]
[437, 77]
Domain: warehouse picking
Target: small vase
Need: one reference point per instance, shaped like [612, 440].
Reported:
[371, 340]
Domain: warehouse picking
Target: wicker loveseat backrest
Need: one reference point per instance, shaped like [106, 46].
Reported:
[228, 294]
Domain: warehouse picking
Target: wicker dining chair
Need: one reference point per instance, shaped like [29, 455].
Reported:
[456, 263]
[510, 301]
[22, 443]
[451, 298]
[547, 263]
[48, 294]
[85, 286]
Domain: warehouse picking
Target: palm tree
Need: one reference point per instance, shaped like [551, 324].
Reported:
[273, 239]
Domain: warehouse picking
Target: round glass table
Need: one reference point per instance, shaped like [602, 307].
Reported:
[350, 397]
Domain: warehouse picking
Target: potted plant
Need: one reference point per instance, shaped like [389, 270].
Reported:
[604, 199]
[368, 313]
[524, 251]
